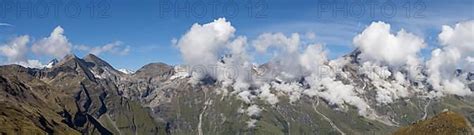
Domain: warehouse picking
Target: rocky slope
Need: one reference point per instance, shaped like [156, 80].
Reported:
[80, 99]
[442, 124]
[89, 96]
[28, 105]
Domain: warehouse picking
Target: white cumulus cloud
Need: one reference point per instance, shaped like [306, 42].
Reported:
[202, 43]
[56, 45]
[16, 49]
[385, 54]
[398, 50]
[457, 48]
[377, 44]
[299, 67]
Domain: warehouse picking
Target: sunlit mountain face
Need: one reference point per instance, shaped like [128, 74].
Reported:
[236, 67]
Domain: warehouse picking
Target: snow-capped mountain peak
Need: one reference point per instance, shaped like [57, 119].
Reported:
[52, 63]
[126, 71]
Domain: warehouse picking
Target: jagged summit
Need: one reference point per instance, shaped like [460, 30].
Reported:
[52, 63]
[92, 59]
[99, 67]
[84, 102]
[155, 69]
[68, 59]
[354, 56]
[151, 66]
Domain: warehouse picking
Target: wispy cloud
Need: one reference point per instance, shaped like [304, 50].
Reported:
[6, 24]
[116, 48]
[329, 33]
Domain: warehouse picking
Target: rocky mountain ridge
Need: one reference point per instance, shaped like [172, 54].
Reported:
[89, 96]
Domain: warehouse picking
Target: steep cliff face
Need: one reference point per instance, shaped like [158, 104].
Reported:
[89, 96]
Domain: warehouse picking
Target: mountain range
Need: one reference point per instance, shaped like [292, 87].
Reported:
[89, 96]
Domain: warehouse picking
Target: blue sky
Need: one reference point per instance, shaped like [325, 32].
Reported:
[148, 26]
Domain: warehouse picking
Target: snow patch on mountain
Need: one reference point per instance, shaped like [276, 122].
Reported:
[126, 71]
[52, 63]
[180, 72]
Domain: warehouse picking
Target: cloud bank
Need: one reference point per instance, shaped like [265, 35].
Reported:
[16, 51]
[56, 45]
[388, 64]
[377, 44]
[456, 53]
